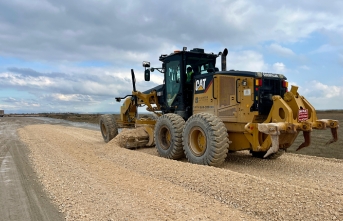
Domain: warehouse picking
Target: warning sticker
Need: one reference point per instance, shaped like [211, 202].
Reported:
[303, 115]
[247, 92]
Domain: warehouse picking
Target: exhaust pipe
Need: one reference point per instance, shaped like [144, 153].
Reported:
[224, 59]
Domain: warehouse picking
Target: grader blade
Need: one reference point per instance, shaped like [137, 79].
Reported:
[135, 138]
[307, 140]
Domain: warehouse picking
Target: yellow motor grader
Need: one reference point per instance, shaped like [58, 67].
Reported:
[203, 113]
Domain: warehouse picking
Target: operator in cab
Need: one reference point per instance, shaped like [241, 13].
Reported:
[189, 74]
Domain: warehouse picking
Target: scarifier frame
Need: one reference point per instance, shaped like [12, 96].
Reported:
[285, 121]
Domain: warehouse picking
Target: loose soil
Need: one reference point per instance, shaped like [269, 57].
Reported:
[91, 180]
[87, 179]
[318, 137]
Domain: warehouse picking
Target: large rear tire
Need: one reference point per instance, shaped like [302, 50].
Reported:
[108, 127]
[205, 140]
[168, 136]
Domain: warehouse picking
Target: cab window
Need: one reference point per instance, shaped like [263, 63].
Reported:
[172, 80]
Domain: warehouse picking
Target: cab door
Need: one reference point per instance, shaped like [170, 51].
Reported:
[172, 81]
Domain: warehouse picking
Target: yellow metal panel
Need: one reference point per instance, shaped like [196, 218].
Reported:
[205, 102]
[239, 142]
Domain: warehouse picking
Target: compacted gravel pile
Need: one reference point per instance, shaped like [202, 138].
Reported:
[91, 180]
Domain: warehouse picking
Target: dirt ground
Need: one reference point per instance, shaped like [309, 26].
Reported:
[76, 176]
[320, 137]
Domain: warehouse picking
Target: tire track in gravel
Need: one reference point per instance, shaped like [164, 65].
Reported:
[4, 148]
[283, 189]
[21, 197]
[74, 169]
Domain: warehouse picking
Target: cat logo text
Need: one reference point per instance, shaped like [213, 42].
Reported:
[200, 84]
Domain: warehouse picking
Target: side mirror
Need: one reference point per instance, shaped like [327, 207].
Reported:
[146, 64]
[147, 75]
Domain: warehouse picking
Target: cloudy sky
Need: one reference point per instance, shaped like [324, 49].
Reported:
[76, 56]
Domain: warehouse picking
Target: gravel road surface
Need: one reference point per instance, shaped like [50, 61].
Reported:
[21, 194]
[90, 180]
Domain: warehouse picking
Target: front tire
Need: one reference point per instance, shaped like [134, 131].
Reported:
[168, 136]
[205, 140]
[108, 127]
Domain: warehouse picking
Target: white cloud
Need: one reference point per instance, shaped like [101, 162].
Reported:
[84, 87]
[328, 91]
[319, 90]
[279, 67]
[322, 96]
[304, 67]
[12, 103]
[282, 51]
[129, 31]
[245, 61]
[68, 37]
[71, 97]
[324, 49]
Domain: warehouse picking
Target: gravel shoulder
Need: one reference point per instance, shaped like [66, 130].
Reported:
[91, 180]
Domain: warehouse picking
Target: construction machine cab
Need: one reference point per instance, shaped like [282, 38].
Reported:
[176, 94]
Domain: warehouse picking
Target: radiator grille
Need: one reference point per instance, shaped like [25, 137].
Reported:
[227, 89]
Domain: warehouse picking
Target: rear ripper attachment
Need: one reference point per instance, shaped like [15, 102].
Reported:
[286, 119]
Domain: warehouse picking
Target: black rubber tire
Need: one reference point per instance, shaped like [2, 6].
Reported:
[108, 127]
[205, 140]
[271, 156]
[153, 116]
[168, 136]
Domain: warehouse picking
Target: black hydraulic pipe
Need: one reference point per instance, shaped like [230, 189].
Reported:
[224, 59]
[134, 86]
[133, 80]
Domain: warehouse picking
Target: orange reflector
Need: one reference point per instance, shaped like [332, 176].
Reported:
[258, 82]
[284, 84]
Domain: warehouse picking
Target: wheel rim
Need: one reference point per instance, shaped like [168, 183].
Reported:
[103, 129]
[165, 138]
[197, 141]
